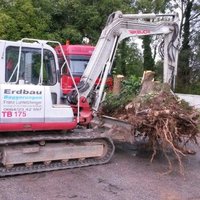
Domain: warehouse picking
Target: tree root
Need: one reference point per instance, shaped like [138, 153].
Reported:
[167, 123]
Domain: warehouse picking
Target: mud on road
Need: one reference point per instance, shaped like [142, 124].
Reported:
[129, 176]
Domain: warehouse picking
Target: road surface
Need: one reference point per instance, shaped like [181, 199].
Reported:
[129, 176]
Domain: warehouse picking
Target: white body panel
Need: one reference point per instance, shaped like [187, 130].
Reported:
[30, 90]
[56, 112]
[31, 103]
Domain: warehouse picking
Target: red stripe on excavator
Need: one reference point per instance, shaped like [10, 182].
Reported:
[37, 126]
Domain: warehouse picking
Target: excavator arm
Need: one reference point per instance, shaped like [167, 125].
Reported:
[118, 27]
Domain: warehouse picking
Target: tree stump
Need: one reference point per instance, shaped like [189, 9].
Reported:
[117, 84]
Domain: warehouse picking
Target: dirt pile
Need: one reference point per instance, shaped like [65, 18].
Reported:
[168, 123]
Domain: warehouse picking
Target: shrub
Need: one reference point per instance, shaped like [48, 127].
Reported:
[130, 88]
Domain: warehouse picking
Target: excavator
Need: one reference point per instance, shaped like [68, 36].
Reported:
[43, 130]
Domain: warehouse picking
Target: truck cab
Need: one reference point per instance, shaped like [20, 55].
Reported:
[78, 57]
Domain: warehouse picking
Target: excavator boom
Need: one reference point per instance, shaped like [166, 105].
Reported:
[120, 26]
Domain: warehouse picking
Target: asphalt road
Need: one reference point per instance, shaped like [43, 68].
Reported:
[129, 176]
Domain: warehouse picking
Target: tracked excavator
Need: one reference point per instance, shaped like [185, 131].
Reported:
[40, 128]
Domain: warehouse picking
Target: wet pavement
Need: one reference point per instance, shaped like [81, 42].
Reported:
[129, 176]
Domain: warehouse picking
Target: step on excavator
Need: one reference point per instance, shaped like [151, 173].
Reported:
[43, 130]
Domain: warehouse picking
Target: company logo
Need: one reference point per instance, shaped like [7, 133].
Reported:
[140, 32]
[21, 91]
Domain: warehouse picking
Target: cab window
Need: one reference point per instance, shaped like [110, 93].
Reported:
[30, 66]
[77, 64]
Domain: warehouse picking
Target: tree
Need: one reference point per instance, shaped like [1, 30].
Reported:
[185, 53]
[188, 59]
[148, 63]
[61, 20]
[146, 6]
[56, 19]
[20, 19]
[128, 59]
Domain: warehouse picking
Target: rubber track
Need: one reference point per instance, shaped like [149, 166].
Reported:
[58, 165]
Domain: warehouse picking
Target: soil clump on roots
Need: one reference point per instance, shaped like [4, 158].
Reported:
[167, 122]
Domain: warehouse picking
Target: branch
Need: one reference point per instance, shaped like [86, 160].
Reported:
[195, 16]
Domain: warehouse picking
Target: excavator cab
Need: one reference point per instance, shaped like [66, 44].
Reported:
[30, 88]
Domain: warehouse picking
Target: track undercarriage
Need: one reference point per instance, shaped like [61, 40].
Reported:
[38, 152]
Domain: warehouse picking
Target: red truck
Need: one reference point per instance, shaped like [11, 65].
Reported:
[78, 56]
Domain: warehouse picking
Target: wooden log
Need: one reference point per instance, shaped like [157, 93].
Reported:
[117, 84]
[147, 82]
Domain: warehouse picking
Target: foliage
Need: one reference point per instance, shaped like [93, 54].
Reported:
[148, 59]
[193, 88]
[130, 87]
[19, 19]
[128, 60]
[56, 19]
[184, 56]
[158, 71]
[151, 6]
[188, 57]
[146, 6]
